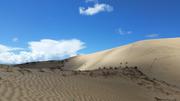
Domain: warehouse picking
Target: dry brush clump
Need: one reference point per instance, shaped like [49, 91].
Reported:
[56, 68]
[109, 73]
[76, 72]
[115, 68]
[91, 74]
[105, 71]
[133, 72]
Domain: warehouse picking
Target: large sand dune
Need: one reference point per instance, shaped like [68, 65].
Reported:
[157, 58]
[142, 71]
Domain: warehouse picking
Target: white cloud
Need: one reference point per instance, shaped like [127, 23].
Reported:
[122, 32]
[45, 49]
[97, 8]
[15, 39]
[4, 48]
[152, 35]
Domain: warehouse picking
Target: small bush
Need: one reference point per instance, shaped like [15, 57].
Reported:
[111, 68]
[115, 68]
[91, 74]
[106, 74]
[126, 63]
[135, 67]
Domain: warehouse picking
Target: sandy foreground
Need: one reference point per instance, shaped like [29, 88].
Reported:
[120, 84]
[142, 71]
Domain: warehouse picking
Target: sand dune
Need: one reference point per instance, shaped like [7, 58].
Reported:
[157, 58]
[142, 71]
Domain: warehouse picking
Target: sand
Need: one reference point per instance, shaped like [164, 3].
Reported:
[123, 84]
[142, 71]
[158, 58]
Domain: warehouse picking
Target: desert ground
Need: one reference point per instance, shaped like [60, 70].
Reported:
[142, 71]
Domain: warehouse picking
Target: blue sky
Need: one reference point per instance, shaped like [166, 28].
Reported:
[95, 24]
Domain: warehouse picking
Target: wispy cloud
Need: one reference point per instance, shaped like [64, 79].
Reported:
[45, 49]
[15, 39]
[97, 8]
[152, 35]
[123, 32]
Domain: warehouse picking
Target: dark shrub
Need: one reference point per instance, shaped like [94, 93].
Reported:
[91, 74]
[111, 68]
[76, 72]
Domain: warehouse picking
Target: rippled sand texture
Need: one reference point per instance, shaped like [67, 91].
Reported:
[126, 84]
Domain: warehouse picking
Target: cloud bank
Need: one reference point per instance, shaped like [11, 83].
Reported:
[97, 8]
[45, 49]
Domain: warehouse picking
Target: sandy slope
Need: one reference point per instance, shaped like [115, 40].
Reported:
[157, 58]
